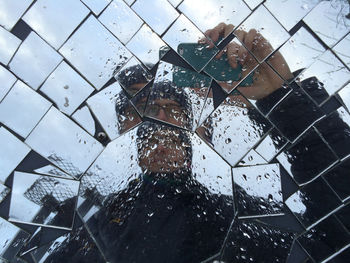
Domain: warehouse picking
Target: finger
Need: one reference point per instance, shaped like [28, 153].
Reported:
[240, 34]
[249, 39]
[228, 30]
[232, 54]
[242, 55]
[219, 55]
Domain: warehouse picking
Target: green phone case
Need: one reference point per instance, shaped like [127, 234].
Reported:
[219, 69]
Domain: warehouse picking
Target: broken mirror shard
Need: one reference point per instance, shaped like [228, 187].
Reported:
[324, 239]
[113, 110]
[258, 190]
[250, 241]
[252, 158]
[26, 107]
[299, 52]
[52, 171]
[55, 21]
[305, 203]
[344, 94]
[3, 192]
[12, 152]
[43, 200]
[11, 11]
[209, 13]
[234, 128]
[66, 88]
[325, 77]
[270, 146]
[217, 179]
[302, 159]
[95, 52]
[158, 14]
[156, 167]
[84, 118]
[7, 80]
[43, 60]
[53, 249]
[338, 141]
[300, 111]
[342, 49]
[290, 12]
[183, 37]
[96, 6]
[177, 96]
[339, 179]
[64, 143]
[270, 35]
[147, 46]
[12, 238]
[121, 20]
[10, 42]
[133, 76]
[328, 21]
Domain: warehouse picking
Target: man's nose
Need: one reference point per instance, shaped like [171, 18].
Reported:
[162, 115]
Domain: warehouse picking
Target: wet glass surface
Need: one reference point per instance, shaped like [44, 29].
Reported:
[189, 131]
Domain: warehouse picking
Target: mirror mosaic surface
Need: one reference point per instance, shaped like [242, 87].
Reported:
[213, 131]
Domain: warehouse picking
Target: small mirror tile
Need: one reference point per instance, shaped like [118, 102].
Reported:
[95, 52]
[158, 14]
[43, 200]
[121, 20]
[43, 58]
[11, 12]
[22, 109]
[66, 88]
[328, 21]
[64, 143]
[258, 190]
[55, 21]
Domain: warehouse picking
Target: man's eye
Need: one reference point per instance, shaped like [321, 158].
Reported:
[153, 109]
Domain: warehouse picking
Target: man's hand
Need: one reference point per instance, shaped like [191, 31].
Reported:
[265, 80]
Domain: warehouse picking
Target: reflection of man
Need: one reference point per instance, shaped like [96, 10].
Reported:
[166, 215]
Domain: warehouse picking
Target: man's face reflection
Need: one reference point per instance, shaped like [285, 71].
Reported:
[162, 149]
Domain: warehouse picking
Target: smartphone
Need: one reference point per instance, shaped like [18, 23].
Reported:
[219, 69]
